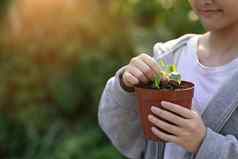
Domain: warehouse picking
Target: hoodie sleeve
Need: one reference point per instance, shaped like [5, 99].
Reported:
[218, 146]
[118, 117]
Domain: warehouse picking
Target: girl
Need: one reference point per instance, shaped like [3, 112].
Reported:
[210, 60]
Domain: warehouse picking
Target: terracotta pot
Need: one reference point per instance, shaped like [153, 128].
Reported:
[151, 97]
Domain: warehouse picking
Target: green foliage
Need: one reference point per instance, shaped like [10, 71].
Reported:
[146, 12]
[168, 73]
[89, 144]
[46, 109]
[3, 6]
[58, 142]
[12, 137]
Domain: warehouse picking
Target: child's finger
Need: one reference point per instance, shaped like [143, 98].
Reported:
[164, 136]
[143, 67]
[184, 112]
[137, 73]
[151, 62]
[168, 116]
[164, 125]
[129, 79]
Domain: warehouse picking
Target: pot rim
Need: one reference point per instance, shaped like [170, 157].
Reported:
[176, 90]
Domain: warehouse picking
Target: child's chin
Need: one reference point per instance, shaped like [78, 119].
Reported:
[211, 27]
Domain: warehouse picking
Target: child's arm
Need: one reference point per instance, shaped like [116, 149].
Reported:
[118, 113]
[118, 117]
[218, 146]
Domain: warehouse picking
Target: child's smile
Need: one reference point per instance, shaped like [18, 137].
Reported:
[216, 14]
[206, 13]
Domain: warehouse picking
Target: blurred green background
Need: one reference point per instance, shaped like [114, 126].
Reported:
[55, 58]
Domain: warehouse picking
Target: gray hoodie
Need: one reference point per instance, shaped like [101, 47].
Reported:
[118, 116]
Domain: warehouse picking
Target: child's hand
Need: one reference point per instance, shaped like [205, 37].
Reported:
[142, 68]
[187, 128]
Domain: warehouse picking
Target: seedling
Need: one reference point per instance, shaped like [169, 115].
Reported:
[168, 78]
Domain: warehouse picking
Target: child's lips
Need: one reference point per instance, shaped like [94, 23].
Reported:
[209, 12]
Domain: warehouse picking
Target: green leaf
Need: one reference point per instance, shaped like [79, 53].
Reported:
[175, 76]
[163, 74]
[157, 81]
[173, 68]
[162, 63]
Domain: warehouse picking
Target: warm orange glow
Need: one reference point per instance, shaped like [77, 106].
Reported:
[59, 20]
[55, 31]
